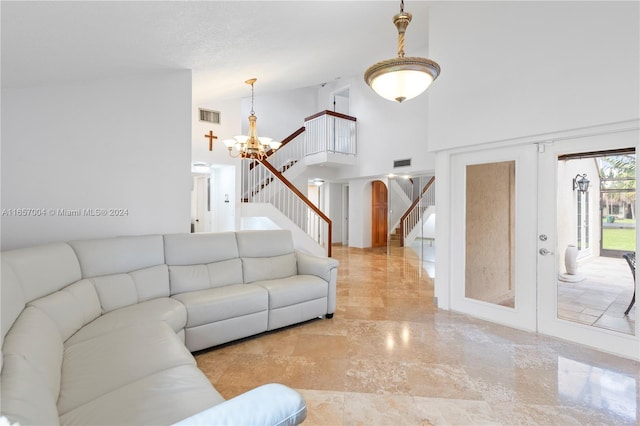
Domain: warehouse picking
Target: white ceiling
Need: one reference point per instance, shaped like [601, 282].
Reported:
[285, 44]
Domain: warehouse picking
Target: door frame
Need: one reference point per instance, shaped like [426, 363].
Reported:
[523, 314]
[345, 214]
[547, 266]
[446, 254]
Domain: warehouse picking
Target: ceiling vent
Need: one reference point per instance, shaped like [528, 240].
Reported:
[209, 116]
[402, 163]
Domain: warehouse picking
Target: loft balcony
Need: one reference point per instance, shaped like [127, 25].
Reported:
[330, 139]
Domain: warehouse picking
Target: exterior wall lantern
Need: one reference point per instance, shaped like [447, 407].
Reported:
[581, 182]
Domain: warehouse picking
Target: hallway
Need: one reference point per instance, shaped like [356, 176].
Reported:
[390, 357]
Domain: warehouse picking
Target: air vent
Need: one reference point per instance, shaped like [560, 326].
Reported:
[402, 163]
[209, 116]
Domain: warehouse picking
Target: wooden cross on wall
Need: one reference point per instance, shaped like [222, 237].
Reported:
[211, 137]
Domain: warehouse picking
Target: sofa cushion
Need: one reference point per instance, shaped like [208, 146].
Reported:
[188, 278]
[268, 268]
[119, 290]
[105, 363]
[165, 397]
[201, 277]
[42, 270]
[217, 304]
[200, 248]
[294, 290]
[26, 399]
[163, 309]
[71, 308]
[31, 371]
[151, 283]
[118, 255]
[267, 243]
[12, 301]
[36, 338]
[115, 291]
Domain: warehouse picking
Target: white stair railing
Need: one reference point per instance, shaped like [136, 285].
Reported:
[413, 216]
[329, 131]
[267, 185]
[407, 187]
[291, 151]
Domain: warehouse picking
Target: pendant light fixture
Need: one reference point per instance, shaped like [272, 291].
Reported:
[401, 78]
[251, 146]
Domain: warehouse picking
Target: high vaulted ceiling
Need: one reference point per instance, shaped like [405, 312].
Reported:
[285, 44]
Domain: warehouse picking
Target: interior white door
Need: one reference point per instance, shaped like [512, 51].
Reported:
[520, 312]
[341, 101]
[549, 254]
[201, 201]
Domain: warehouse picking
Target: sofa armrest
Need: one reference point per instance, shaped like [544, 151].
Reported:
[316, 265]
[325, 268]
[271, 404]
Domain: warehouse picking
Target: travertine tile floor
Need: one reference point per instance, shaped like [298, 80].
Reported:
[602, 297]
[388, 357]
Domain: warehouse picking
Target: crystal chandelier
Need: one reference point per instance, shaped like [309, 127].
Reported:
[251, 146]
[401, 78]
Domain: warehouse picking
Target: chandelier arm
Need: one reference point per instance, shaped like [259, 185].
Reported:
[231, 153]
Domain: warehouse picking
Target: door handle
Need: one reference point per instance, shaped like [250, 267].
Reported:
[543, 251]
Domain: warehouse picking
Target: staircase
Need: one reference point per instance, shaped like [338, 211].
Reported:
[412, 220]
[271, 199]
[395, 238]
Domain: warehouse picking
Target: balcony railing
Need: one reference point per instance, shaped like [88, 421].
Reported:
[331, 132]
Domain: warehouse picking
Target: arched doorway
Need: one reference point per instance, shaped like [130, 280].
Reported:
[379, 217]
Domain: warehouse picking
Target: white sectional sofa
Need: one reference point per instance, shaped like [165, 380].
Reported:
[101, 331]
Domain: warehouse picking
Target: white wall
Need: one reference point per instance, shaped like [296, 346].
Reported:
[230, 125]
[360, 213]
[333, 196]
[279, 114]
[119, 143]
[514, 69]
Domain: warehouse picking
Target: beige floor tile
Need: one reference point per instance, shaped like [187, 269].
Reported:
[389, 357]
